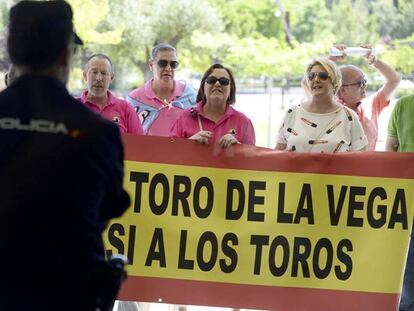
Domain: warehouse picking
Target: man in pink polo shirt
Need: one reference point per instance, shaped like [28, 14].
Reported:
[353, 88]
[161, 100]
[98, 75]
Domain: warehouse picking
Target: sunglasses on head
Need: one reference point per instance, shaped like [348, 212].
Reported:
[361, 83]
[223, 81]
[162, 63]
[322, 75]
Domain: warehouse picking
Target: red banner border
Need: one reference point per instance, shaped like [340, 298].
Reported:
[174, 291]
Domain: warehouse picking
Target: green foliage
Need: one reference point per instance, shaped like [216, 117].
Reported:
[400, 56]
[402, 92]
[4, 63]
[249, 36]
[312, 21]
[247, 18]
[3, 16]
[356, 28]
[405, 26]
[92, 24]
[76, 81]
[387, 17]
[269, 57]
[169, 21]
[97, 26]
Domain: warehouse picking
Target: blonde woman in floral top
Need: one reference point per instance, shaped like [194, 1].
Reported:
[321, 123]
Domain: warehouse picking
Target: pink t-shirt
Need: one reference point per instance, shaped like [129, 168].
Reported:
[232, 121]
[368, 113]
[158, 116]
[118, 111]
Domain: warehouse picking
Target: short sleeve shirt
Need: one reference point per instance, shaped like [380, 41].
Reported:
[368, 113]
[157, 117]
[118, 111]
[193, 120]
[337, 131]
[401, 125]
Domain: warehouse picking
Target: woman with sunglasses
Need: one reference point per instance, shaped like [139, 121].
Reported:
[214, 119]
[321, 123]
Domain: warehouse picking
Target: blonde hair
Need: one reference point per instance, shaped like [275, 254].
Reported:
[332, 70]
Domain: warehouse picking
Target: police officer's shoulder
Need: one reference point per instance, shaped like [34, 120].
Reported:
[89, 120]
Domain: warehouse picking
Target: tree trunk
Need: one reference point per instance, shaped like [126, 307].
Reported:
[143, 66]
[396, 4]
[286, 22]
[329, 4]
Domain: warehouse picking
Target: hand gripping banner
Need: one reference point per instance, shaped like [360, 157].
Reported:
[255, 228]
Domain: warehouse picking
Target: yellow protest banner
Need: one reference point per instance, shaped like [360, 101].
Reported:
[256, 228]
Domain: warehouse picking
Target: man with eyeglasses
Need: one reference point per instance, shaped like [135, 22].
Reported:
[401, 138]
[161, 100]
[353, 89]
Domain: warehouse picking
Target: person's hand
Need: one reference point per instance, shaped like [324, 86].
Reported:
[202, 137]
[370, 56]
[228, 140]
[341, 47]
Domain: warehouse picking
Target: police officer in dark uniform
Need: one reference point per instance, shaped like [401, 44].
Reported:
[61, 171]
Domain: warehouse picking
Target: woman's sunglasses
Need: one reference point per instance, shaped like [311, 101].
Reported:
[361, 83]
[223, 81]
[162, 63]
[322, 75]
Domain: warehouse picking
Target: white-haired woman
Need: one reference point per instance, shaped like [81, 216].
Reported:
[321, 123]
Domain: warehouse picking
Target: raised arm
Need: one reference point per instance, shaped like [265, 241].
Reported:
[341, 47]
[392, 78]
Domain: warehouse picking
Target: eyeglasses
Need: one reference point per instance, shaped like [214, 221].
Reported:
[223, 81]
[162, 63]
[361, 83]
[322, 75]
